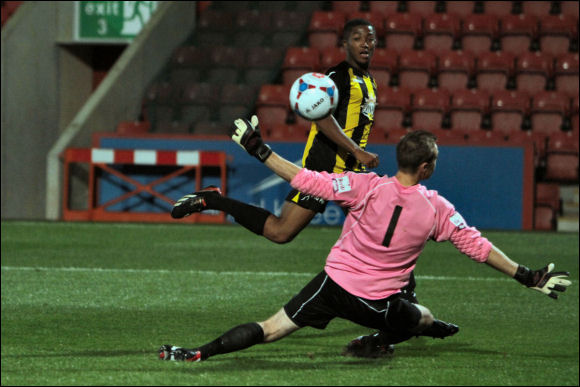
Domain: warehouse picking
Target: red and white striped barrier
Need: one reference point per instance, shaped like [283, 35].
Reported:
[141, 156]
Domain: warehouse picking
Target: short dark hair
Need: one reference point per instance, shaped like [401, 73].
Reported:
[348, 27]
[415, 148]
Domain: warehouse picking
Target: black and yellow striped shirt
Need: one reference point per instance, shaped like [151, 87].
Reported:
[355, 115]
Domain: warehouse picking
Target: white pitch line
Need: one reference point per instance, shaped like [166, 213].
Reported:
[233, 273]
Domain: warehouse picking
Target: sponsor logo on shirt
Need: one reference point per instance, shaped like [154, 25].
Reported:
[341, 184]
[458, 220]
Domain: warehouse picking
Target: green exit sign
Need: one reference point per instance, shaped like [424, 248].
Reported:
[111, 21]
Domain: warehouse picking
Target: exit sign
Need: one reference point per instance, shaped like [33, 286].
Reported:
[111, 21]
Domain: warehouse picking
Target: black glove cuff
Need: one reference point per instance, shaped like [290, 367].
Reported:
[525, 276]
[263, 152]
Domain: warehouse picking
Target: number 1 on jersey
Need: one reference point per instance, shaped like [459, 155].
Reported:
[392, 225]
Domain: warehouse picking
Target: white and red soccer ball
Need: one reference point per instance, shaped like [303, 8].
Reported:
[313, 96]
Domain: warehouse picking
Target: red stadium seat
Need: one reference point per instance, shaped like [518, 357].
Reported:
[548, 194]
[383, 65]
[517, 32]
[537, 8]
[190, 56]
[262, 64]
[533, 70]
[497, 8]
[172, 127]
[485, 137]
[272, 104]
[460, 8]
[290, 21]
[548, 111]
[238, 94]
[325, 29]
[478, 32]
[544, 218]
[562, 167]
[384, 8]
[216, 20]
[575, 115]
[346, 6]
[539, 141]
[454, 70]
[133, 127]
[508, 110]
[377, 20]
[563, 142]
[428, 108]
[392, 105]
[299, 60]
[555, 33]
[211, 128]
[284, 132]
[569, 8]
[253, 20]
[468, 108]
[416, 68]
[401, 30]
[440, 31]
[422, 8]
[377, 135]
[332, 56]
[566, 74]
[494, 68]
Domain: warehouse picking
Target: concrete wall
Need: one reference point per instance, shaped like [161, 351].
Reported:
[47, 104]
[30, 106]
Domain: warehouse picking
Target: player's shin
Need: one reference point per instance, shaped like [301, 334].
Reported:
[236, 339]
[251, 217]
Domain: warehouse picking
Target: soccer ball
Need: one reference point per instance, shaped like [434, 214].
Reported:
[313, 96]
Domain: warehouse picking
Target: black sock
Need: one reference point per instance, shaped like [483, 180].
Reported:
[251, 217]
[236, 339]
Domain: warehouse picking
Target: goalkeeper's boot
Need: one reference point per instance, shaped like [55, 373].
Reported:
[192, 203]
[173, 353]
[440, 330]
[369, 346]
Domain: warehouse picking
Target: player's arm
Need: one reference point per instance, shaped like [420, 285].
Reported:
[469, 241]
[331, 129]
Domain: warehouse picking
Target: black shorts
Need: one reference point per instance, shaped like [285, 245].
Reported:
[310, 202]
[322, 299]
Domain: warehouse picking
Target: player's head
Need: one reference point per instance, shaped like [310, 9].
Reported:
[417, 153]
[359, 40]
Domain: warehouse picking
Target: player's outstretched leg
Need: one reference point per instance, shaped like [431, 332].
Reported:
[192, 203]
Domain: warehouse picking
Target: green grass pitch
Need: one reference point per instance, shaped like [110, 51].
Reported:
[89, 304]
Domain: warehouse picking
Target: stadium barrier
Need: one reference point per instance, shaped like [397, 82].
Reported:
[140, 183]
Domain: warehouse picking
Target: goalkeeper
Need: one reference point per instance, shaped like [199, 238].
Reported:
[390, 219]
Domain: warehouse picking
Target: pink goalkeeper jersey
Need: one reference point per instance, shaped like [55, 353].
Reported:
[386, 229]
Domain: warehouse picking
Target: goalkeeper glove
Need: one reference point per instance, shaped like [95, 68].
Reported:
[247, 135]
[543, 280]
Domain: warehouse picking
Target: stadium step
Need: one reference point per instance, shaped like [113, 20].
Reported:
[570, 214]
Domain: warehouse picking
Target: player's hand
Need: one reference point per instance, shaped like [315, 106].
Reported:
[371, 160]
[247, 135]
[544, 280]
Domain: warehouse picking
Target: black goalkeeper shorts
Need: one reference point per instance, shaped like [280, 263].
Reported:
[310, 202]
[322, 299]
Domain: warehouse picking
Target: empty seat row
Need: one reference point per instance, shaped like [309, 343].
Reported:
[461, 8]
[452, 70]
[554, 34]
[465, 109]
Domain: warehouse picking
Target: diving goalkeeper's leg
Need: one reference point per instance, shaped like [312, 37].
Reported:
[238, 338]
